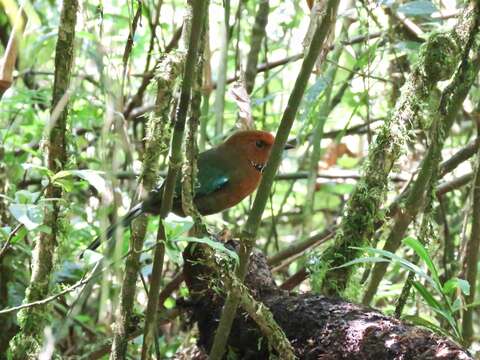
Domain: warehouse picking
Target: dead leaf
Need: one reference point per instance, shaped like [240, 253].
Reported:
[239, 94]
[334, 152]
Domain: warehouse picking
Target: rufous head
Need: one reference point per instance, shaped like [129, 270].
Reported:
[254, 145]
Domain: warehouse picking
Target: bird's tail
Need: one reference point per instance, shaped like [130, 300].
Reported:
[135, 212]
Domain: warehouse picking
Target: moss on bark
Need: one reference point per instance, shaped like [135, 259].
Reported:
[437, 61]
[32, 320]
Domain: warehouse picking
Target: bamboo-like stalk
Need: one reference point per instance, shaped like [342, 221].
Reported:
[258, 34]
[470, 260]
[316, 140]
[198, 11]
[32, 320]
[250, 230]
[219, 104]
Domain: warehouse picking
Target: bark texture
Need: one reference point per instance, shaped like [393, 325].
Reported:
[318, 327]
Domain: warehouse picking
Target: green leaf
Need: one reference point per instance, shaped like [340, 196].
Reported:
[423, 254]
[174, 253]
[405, 264]
[169, 303]
[26, 197]
[93, 177]
[456, 283]
[65, 183]
[417, 8]
[427, 296]
[175, 227]
[20, 235]
[417, 320]
[457, 305]
[41, 169]
[213, 244]
[363, 260]
[368, 56]
[451, 321]
[29, 215]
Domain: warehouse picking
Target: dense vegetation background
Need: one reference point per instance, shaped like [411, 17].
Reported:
[379, 202]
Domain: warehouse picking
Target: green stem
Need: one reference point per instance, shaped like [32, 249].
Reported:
[253, 222]
[258, 33]
[219, 104]
[157, 134]
[198, 12]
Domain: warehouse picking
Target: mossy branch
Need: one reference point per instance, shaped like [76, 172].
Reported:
[263, 317]
[33, 319]
[253, 222]
[198, 16]
[438, 60]
[167, 72]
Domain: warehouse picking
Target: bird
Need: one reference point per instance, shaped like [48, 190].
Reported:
[227, 174]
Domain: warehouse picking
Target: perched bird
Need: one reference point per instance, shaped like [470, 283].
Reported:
[226, 175]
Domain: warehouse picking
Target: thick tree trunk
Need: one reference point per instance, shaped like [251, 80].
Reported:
[318, 327]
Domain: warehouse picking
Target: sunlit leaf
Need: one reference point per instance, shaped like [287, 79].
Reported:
[423, 254]
[29, 215]
[456, 283]
[427, 296]
[417, 8]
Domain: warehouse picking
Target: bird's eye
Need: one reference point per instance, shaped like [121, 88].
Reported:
[259, 144]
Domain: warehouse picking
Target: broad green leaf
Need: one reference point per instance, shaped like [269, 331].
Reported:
[175, 227]
[455, 283]
[61, 174]
[29, 215]
[26, 197]
[457, 305]
[94, 178]
[65, 183]
[173, 252]
[41, 169]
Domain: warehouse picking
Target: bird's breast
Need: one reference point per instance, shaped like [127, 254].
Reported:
[230, 195]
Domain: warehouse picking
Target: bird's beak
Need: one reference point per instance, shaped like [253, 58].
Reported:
[290, 144]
